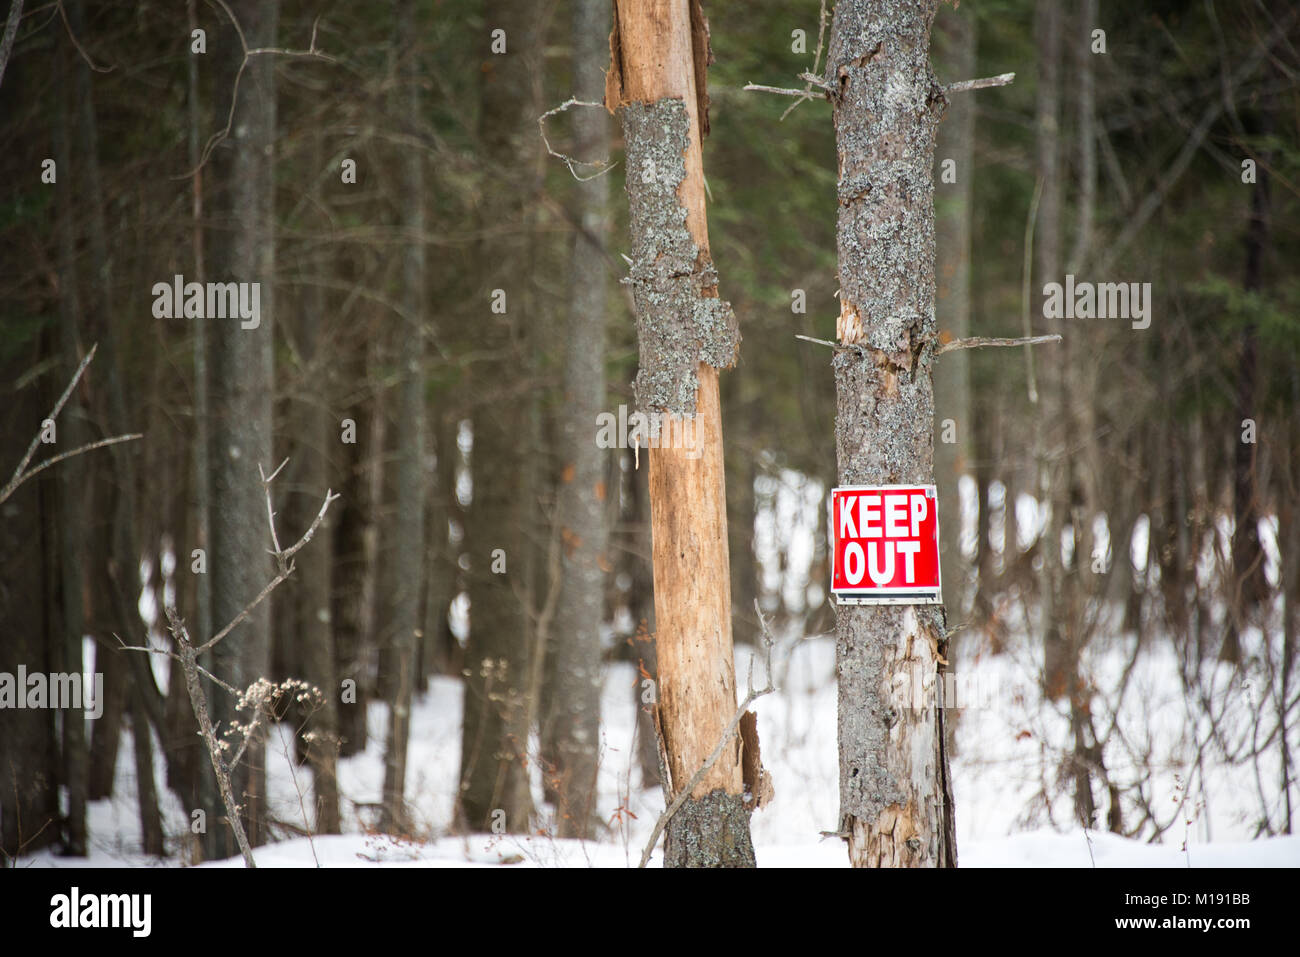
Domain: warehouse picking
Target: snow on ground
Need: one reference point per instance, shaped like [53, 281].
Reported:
[1010, 811]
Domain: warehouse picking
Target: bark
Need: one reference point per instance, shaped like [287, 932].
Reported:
[441, 649]
[110, 403]
[642, 607]
[29, 807]
[895, 791]
[71, 486]
[685, 333]
[406, 555]
[242, 249]
[498, 654]
[347, 593]
[313, 617]
[1249, 584]
[202, 784]
[151, 832]
[575, 699]
[955, 41]
[1051, 485]
[106, 733]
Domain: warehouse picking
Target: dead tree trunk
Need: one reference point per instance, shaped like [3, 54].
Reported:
[685, 333]
[895, 793]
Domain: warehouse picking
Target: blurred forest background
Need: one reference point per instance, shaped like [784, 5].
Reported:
[442, 320]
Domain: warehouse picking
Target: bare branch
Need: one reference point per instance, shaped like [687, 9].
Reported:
[820, 342]
[781, 90]
[979, 342]
[90, 447]
[817, 60]
[607, 164]
[814, 80]
[961, 86]
[11, 33]
[215, 140]
[77, 43]
[22, 473]
[282, 559]
[199, 701]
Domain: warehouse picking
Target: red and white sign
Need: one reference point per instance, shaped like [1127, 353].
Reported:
[886, 545]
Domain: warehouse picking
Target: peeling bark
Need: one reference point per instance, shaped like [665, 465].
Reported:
[685, 334]
[680, 322]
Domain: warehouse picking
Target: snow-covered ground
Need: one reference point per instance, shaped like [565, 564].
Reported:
[1012, 811]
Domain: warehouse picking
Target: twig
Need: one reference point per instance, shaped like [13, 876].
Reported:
[199, 702]
[282, 559]
[817, 59]
[814, 80]
[820, 342]
[77, 43]
[215, 140]
[11, 33]
[751, 696]
[607, 164]
[783, 91]
[979, 342]
[22, 473]
[961, 86]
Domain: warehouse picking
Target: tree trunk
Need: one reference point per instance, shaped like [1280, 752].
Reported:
[685, 334]
[582, 489]
[242, 249]
[313, 618]
[1249, 586]
[151, 832]
[406, 552]
[71, 483]
[29, 804]
[952, 395]
[641, 605]
[895, 791]
[498, 654]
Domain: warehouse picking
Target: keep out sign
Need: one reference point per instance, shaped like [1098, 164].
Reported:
[886, 540]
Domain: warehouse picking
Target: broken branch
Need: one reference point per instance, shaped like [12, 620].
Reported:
[961, 86]
[979, 342]
[607, 164]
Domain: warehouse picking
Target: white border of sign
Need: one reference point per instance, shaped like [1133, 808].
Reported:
[920, 596]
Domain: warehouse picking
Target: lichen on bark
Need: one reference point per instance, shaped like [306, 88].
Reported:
[895, 789]
[712, 831]
[680, 321]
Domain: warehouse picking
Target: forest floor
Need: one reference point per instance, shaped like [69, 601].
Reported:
[1013, 809]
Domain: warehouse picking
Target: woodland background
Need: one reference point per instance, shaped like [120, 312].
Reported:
[1123, 495]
